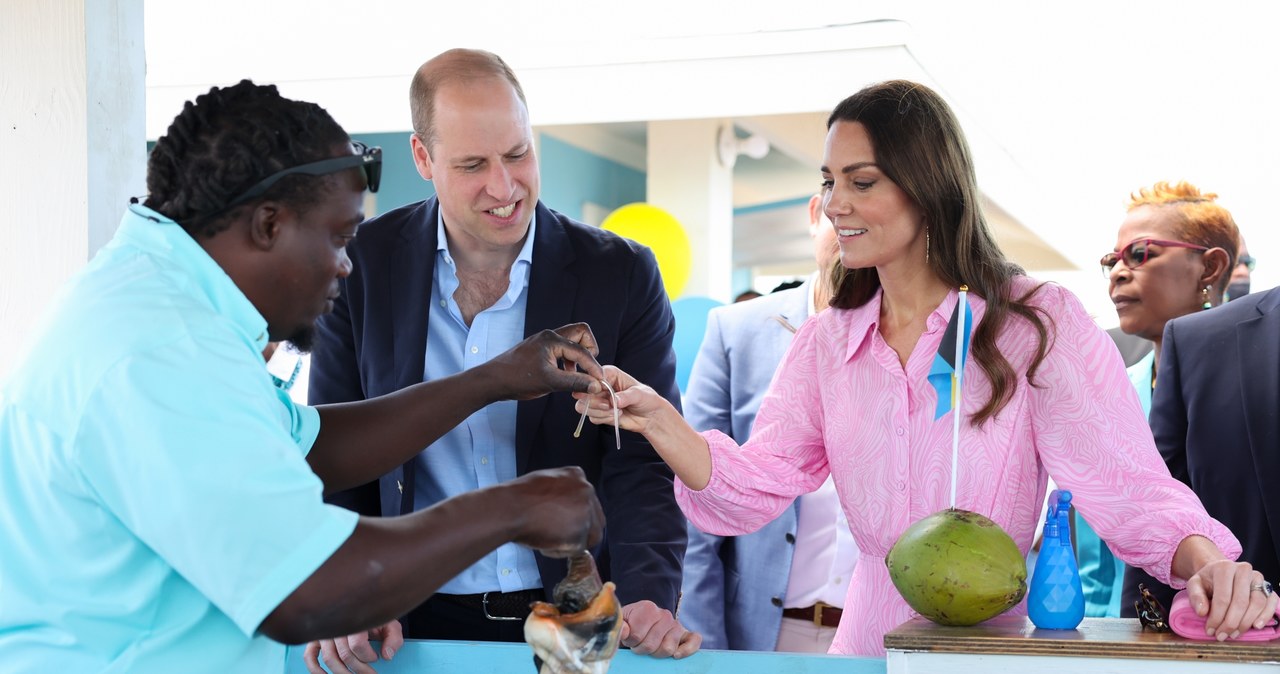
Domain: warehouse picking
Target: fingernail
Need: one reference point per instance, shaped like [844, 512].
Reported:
[1258, 625]
[1222, 636]
[1235, 634]
[1208, 631]
[391, 653]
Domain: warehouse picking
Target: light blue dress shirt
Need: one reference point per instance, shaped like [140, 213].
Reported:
[481, 451]
[1140, 375]
[155, 500]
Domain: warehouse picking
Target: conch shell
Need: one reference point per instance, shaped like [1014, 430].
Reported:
[579, 633]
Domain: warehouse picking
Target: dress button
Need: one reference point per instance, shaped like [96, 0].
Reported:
[902, 486]
[791, 538]
[900, 431]
[777, 601]
[475, 349]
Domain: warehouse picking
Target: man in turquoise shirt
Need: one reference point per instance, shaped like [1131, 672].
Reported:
[160, 497]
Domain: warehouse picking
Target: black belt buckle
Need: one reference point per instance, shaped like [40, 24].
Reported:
[484, 607]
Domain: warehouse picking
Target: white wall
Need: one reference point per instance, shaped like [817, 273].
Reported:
[72, 144]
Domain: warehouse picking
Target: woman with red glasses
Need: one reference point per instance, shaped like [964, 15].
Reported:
[1172, 257]
[1174, 254]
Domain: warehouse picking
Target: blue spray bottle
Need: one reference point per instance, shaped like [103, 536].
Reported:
[1056, 599]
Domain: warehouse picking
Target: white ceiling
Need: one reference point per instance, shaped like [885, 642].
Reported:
[1069, 106]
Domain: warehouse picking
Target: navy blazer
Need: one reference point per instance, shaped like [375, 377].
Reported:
[734, 586]
[1215, 415]
[374, 343]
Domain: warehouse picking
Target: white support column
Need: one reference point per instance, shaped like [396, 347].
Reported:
[72, 128]
[686, 178]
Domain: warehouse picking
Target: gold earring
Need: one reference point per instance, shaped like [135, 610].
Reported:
[926, 245]
[1204, 295]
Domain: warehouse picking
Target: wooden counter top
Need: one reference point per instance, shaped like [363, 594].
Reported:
[1095, 638]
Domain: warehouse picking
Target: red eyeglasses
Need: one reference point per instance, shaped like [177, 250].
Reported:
[1137, 252]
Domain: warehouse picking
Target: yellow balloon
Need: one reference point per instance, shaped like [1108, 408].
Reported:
[659, 230]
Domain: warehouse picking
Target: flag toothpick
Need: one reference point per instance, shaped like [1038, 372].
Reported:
[962, 348]
[947, 374]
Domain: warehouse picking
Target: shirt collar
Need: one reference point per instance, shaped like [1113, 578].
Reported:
[526, 251]
[152, 232]
[866, 319]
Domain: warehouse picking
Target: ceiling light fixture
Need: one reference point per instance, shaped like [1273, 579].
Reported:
[730, 146]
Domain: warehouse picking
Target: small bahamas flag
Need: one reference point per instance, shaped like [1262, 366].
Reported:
[947, 371]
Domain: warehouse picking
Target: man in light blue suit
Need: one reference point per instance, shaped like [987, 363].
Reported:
[781, 587]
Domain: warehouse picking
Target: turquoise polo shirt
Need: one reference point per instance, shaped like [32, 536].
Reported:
[155, 500]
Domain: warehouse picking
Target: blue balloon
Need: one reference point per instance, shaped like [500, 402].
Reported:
[691, 325]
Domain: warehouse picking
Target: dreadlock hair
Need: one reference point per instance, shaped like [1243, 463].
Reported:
[229, 139]
[918, 144]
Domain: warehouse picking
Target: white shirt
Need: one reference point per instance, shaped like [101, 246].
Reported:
[825, 552]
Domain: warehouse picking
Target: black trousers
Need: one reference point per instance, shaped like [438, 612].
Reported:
[443, 617]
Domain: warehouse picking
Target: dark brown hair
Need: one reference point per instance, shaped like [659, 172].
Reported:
[918, 144]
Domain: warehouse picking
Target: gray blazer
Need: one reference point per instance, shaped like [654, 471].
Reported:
[733, 586]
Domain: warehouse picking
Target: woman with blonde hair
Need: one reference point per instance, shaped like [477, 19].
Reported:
[1173, 256]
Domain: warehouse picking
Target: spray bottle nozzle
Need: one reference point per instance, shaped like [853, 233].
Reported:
[1056, 599]
[1063, 506]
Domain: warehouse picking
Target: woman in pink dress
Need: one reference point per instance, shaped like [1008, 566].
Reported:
[1045, 392]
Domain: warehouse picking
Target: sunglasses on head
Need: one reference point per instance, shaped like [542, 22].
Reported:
[368, 160]
[1138, 251]
[1248, 261]
[1150, 611]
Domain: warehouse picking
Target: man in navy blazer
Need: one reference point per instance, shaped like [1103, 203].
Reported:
[1215, 415]
[737, 589]
[439, 286]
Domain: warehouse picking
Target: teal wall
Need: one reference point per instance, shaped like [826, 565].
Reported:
[571, 176]
[401, 183]
[744, 280]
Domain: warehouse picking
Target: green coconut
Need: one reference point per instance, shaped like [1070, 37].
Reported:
[957, 567]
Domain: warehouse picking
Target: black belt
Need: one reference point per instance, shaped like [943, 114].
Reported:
[497, 605]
